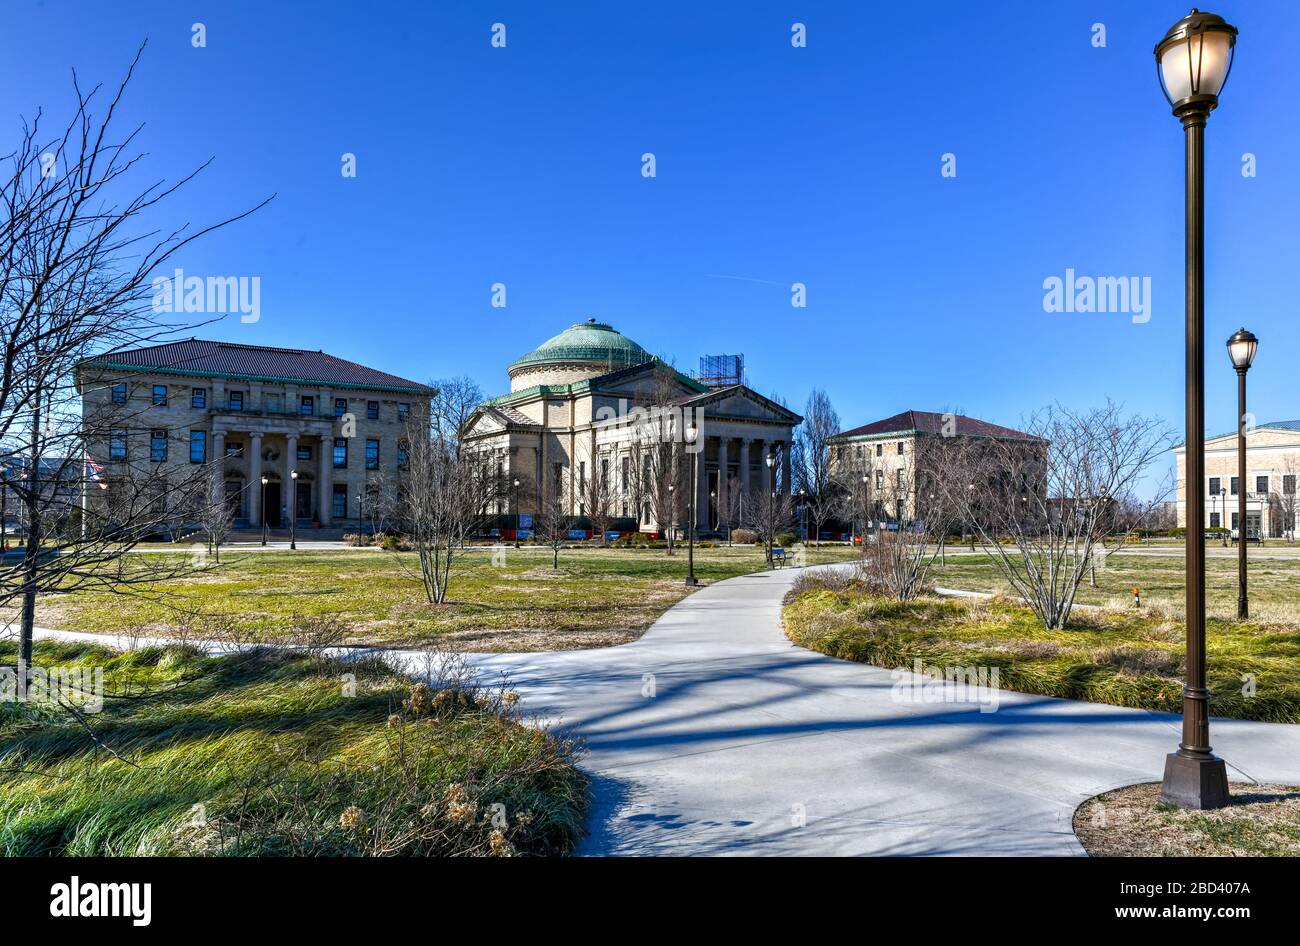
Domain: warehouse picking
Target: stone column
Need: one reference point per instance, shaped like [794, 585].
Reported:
[255, 478]
[723, 444]
[702, 485]
[287, 491]
[745, 452]
[785, 468]
[218, 462]
[325, 479]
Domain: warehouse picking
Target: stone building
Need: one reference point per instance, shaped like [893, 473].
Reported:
[1272, 465]
[572, 413]
[890, 459]
[252, 411]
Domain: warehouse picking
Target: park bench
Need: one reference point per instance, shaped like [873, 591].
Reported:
[779, 555]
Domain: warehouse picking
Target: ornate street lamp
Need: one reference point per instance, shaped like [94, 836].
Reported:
[1193, 61]
[293, 510]
[265, 479]
[690, 434]
[770, 460]
[1241, 349]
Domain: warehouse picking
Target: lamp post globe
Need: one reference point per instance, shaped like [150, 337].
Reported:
[1192, 62]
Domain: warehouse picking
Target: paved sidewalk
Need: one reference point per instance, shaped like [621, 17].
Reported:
[750, 745]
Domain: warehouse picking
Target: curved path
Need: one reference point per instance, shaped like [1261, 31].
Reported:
[713, 734]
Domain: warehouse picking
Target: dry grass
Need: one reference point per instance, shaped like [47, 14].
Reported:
[1132, 822]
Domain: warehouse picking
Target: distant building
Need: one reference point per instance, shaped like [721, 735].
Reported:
[260, 411]
[1272, 465]
[568, 417]
[899, 455]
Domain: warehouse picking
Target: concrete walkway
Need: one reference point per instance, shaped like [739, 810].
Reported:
[712, 734]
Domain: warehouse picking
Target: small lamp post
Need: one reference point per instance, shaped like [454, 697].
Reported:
[1241, 349]
[862, 533]
[770, 460]
[691, 433]
[803, 512]
[514, 501]
[265, 479]
[361, 513]
[293, 509]
[1193, 61]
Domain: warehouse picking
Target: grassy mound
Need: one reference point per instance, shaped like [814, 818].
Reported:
[278, 753]
[1128, 658]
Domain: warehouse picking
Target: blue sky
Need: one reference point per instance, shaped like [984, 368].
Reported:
[820, 165]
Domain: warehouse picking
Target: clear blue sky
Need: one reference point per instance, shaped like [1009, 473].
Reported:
[818, 165]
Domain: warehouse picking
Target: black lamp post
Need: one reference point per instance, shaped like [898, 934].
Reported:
[803, 512]
[1222, 495]
[265, 479]
[361, 513]
[293, 510]
[514, 501]
[770, 460]
[1241, 349]
[1193, 61]
[691, 433]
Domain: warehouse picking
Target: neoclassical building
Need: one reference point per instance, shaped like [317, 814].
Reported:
[1272, 470]
[571, 414]
[249, 412]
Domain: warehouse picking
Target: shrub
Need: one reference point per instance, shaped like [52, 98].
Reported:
[744, 536]
[785, 538]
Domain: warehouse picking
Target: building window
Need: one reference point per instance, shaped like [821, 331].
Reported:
[404, 456]
[900, 448]
[1288, 484]
[234, 448]
[158, 446]
[623, 473]
[372, 454]
[898, 478]
[1261, 485]
[307, 406]
[339, 501]
[340, 406]
[1216, 485]
[582, 476]
[198, 398]
[1214, 520]
[1233, 486]
[119, 393]
[198, 446]
[117, 444]
[304, 453]
[160, 395]
[372, 410]
[340, 453]
[1234, 520]
[880, 478]
[880, 449]
[645, 513]
[235, 400]
[403, 410]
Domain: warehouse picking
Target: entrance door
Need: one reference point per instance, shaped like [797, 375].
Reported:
[304, 500]
[272, 511]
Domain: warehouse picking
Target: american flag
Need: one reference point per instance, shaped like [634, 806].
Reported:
[95, 471]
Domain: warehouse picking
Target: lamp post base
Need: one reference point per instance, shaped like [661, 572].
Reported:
[692, 581]
[1195, 782]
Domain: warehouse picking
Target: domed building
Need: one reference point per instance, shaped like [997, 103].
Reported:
[596, 426]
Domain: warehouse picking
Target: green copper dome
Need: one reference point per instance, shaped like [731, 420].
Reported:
[589, 341]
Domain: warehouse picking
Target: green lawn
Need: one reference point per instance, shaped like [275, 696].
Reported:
[597, 597]
[1127, 658]
[1274, 584]
[267, 752]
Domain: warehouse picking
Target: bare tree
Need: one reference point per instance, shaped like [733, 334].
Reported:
[1054, 498]
[76, 257]
[216, 514]
[553, 519]
[599, 499]
[1284, 499]
[773, 514]
[455, 399]
[440, 497]
[824, 495]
